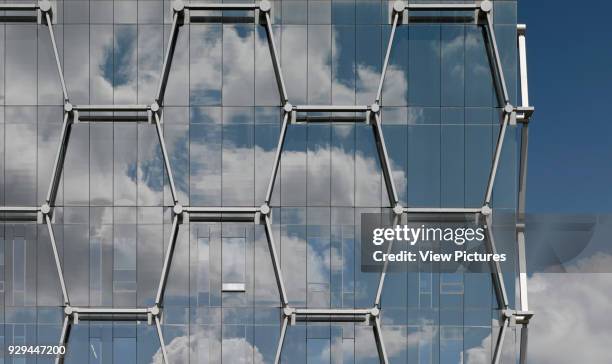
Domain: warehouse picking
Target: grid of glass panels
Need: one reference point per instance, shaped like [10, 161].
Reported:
[221, 129]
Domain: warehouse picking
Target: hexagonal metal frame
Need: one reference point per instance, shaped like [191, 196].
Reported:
[262, 215]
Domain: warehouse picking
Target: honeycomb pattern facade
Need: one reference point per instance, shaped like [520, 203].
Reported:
[399, 14]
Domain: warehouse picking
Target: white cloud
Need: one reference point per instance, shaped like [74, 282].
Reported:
[206, 182]
[397, 340]
[234, 350]
[571, 323]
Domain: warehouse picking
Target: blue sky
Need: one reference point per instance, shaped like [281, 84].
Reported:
[570, 75]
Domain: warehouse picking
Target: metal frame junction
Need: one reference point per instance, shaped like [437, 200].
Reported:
[262, 215]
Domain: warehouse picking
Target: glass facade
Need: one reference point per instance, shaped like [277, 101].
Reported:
[118, 219]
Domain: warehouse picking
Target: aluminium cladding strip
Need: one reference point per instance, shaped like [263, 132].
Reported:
[524, 315]
[262, 214]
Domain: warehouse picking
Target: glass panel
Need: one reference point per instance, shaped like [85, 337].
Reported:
[395, 132]
[293, 250]
[150, 167]
[101, 163]
[234, 261]
[318, 258]
[478, 78]
[76, 69]
[76, 269]
[267, 132]
[368, 174]
[20, 161]
[177, 144]
[205, 55]
[424, 159]
[293, 167]
[238, 65]
[343, 12]
[453, 65]
[453, 166]
[49, 86]
[151, 45]
[76, 166]
[101, 70]
[424, 61]
[125, 164]
[48, 287]
[478, 156]
[319, 12]
[237, 165]
[319, 165]
[149, 258]
[266, 87]
[2, 62]
[125, 77]
[201, 266]
[101, 256]
[369, 62]
[318, 62]
[343, 162]
[343, 63]
[20, 48]
[125, 12]
[397, 78]
[205, 179]
[124, 266]
[294, 12]
[177, 91]
[295, 62]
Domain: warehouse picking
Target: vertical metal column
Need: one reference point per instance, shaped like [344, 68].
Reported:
[520, 231]
[522, 50]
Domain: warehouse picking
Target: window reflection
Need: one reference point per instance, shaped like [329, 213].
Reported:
[343, 62]
[124, 266]
[20, 66]
[151, 43]
[205, 55]
[238, 65]
[238, 157]
[20, 162]
[295, 62]
[221, 125]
